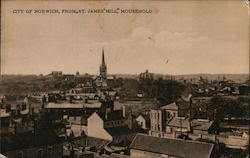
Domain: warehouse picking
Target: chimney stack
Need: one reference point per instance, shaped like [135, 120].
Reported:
[12, 127]
[190, 113]
[106, 115]
[124, 111]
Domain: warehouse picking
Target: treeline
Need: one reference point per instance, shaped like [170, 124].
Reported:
[30, 84]
[164, 91]
[228, 108]
[219, 108]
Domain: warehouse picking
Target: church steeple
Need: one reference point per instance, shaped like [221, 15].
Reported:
[103, 67]
[103, 59]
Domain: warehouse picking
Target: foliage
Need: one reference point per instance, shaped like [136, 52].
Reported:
[229, 108]
[166, 91]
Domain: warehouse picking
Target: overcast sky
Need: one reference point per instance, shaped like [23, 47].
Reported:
[193, 36]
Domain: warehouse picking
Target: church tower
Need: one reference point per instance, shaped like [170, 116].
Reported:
[103, 67]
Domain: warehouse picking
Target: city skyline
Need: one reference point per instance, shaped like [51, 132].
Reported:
[176, 38]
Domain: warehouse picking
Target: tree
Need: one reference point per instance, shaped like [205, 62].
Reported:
[221, 108]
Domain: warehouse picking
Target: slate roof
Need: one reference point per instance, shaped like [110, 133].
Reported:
[173, 147]
[145, 116]
[178, 122]
[122, 136]
[116, 131]
[73, 105]
[112, 116]
[115, 115]
[113, 155]
[2, 156]
[3, 113]
[91, 142]
[171, 106]
[203, 125]
[196, 124]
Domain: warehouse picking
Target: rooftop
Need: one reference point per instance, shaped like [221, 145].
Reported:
[173, 147]
[73, 105]
[28, 139]
[91, 142]
[171, 106]
[3, 113]
[197, 124]
[178, 122]
[145, 116]
[2, 156]
[112, 116]
[201, 124]
[178, 105]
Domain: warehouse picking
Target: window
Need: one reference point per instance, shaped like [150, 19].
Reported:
[158, 116]
[49, 150]
[40, 153]
[19, 154]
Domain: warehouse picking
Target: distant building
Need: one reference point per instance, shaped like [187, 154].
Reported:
[145, 146]
[111, 78]
[83, 93]
[68, 77]
[56, 73]
[143, 121]
[82, 90]
[146, 75]
[101, 83]
[77, 73]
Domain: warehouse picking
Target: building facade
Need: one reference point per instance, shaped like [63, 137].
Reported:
[145, 146]
[157, 120]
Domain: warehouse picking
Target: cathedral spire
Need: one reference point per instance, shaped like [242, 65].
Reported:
[103, 67]
[103, 59]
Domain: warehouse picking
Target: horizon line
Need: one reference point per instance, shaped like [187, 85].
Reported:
[38, 74]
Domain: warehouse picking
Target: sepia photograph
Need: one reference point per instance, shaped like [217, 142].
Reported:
[124, 79]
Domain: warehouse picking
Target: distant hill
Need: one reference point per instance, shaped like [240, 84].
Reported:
[238, 78]
[130, 76]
